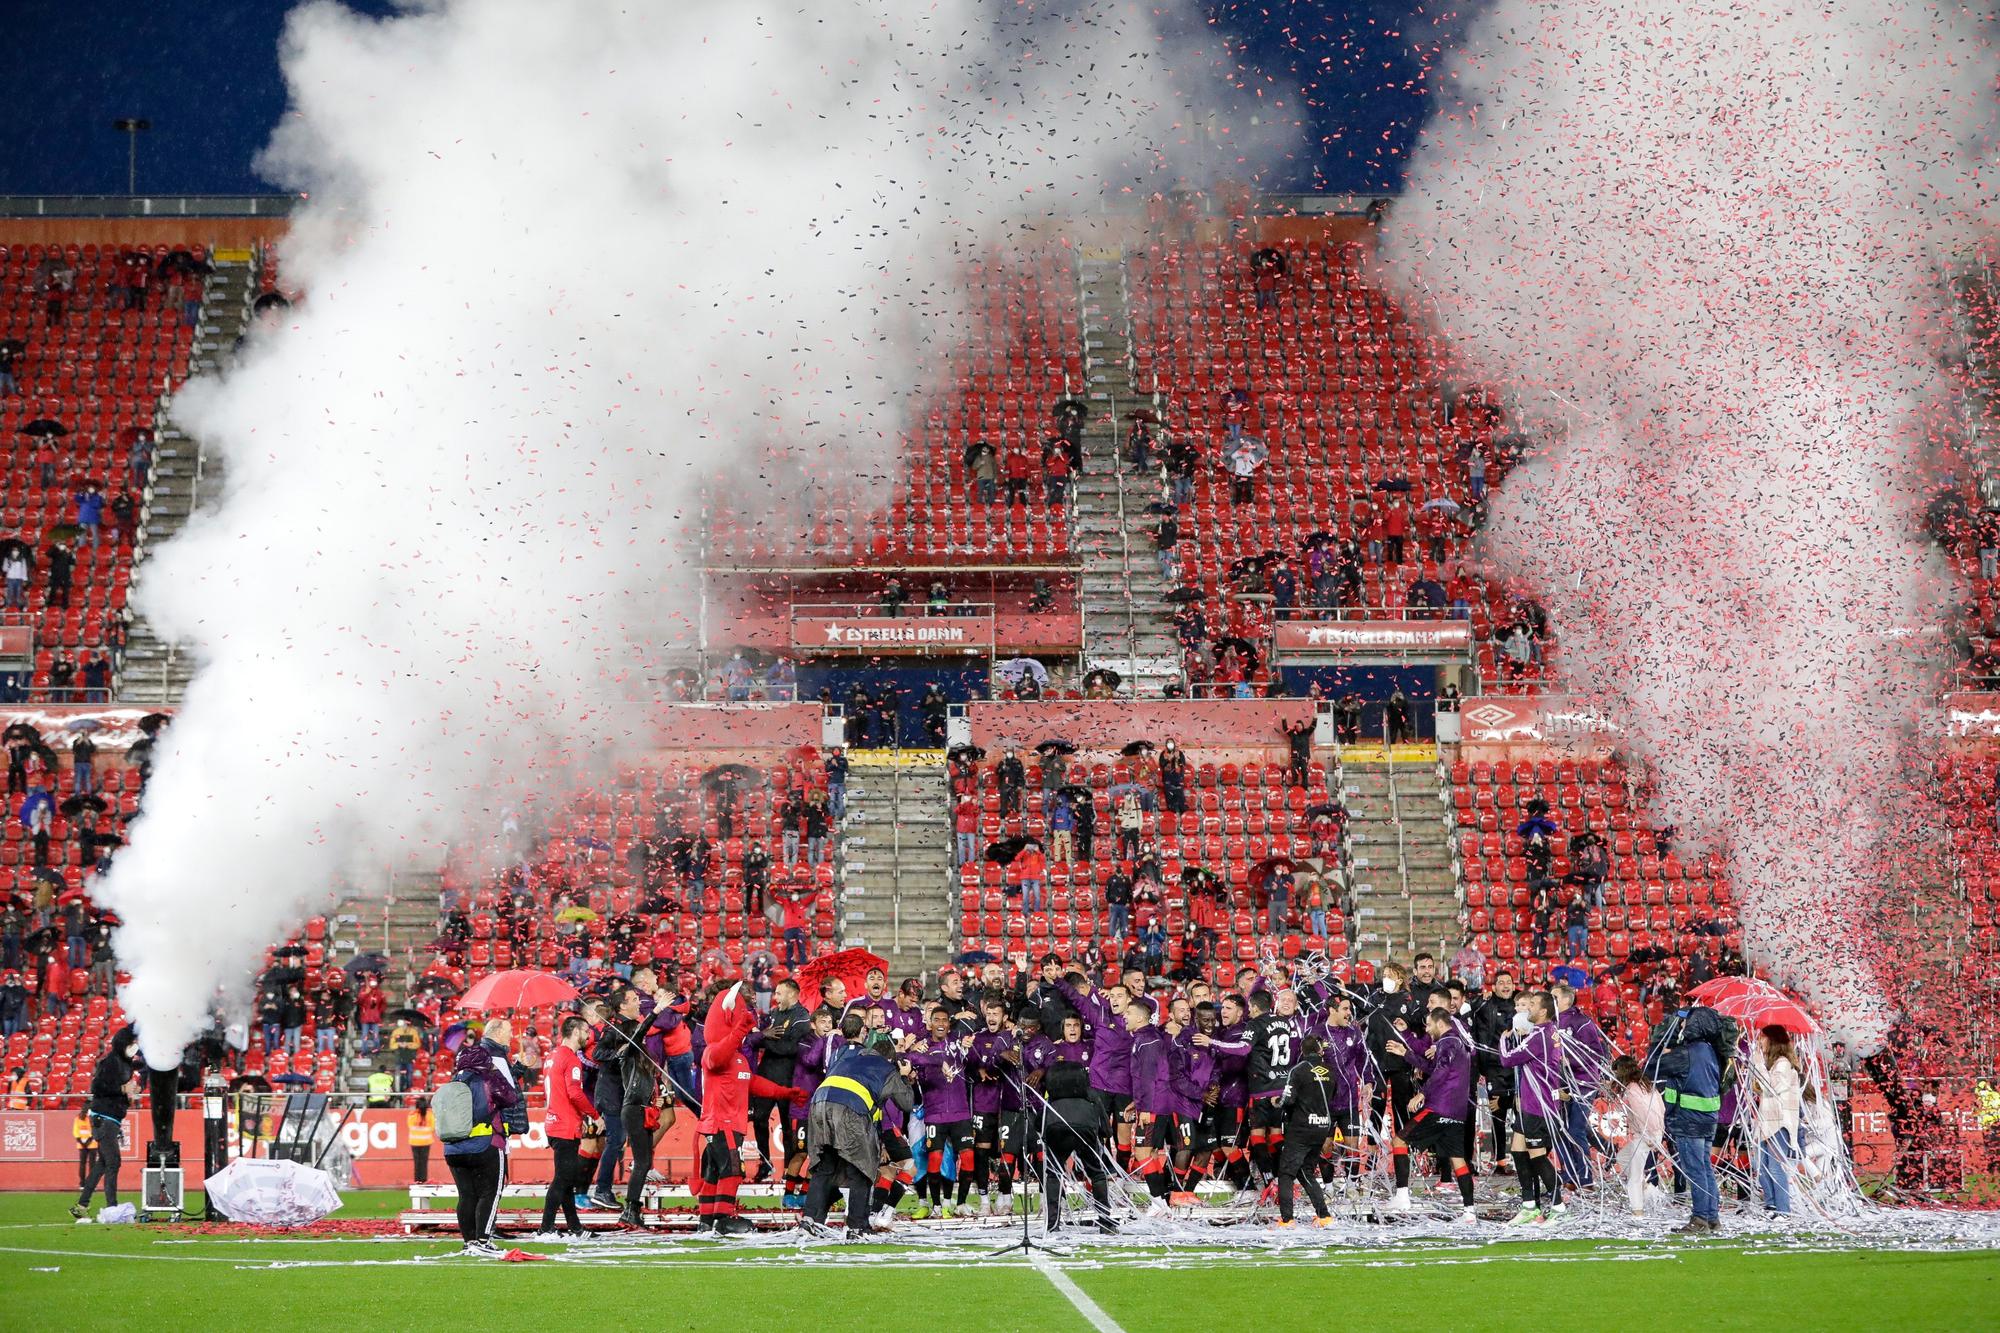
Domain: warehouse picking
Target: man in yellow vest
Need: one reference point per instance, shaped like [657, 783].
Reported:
[381, 1088]
[86, 1146]
[422, 1132]
[1988, 1099]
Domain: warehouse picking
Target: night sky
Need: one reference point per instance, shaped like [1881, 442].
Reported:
[205, 72]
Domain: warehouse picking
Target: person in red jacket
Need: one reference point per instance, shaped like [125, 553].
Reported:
[727, 1085]
[1395, 528]
[796, 920]
[569, 1116]
[1017, 470]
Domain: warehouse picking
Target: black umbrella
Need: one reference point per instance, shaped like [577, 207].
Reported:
[366, 962]
[974, 958]
[49, 874]
[434, 986]
[409, 1016]
[1537, 806]
[1145, 414]
[1160, 509]
[1103, 675]
[20, 731]
[965, 752]
[41, 941]
[141, 752]
[1005, 850]
[973, 451]
[1322, 809]
[249, 1083]
[1074, 791]
[289, 951]
[76, 805]
[150, 724]
[45, 426]
[1261, 873]
[1241, 645]
[1320, 538]
[1136, 747]
[293, 1080]
[724, 774]
[269, 301]
[1055, 745]
[1184, 595]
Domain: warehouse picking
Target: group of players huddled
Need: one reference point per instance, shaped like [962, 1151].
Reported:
[1289, 1079]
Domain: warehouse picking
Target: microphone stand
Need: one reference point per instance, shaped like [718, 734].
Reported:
[1027, 1245]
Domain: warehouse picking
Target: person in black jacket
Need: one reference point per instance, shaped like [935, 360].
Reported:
[1393, 1014]
[113, 1085]
[1492, 1017]
[756, 877]
[1011, 777]
[627, 1084]
[1307, 1102]
[787, 1029]
[1074, 1134]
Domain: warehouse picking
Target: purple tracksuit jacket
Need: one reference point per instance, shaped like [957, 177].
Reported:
[1536, 1060]
[1231, 1049]
[1353, 1068]
[1110, 1043]
[1075, 1052]
[940, 1073]
[1446, 1066]
[1153, 1072]
[995, 1083]
[1586, 1055]
[1194, 1070]
[810, 1067]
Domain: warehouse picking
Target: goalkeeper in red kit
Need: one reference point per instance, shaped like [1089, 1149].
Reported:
[727, 1085]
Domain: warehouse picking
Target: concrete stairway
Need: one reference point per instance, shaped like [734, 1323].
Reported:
[156, 671]
[896, 893]
[1405, 886]
[1127, 624]
[400, 921]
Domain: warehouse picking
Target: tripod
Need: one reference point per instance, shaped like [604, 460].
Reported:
[1027, 1245]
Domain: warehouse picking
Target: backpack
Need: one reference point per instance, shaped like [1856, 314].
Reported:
[457, 1108]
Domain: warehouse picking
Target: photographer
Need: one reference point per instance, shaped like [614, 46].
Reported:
[1690, 1062]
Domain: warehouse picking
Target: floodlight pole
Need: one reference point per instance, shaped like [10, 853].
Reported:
[131, 127]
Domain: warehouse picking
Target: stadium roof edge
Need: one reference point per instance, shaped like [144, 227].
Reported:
[147, 206]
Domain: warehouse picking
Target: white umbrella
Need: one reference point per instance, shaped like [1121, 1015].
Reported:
[273, 1193]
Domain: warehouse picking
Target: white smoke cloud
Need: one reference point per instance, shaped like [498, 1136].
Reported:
[1706, 238]
[566, 264]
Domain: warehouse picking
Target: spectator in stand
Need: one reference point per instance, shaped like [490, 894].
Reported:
[89, 514]
[1034, 871]
[58, 281]
[1541, 902]
[791, 818]
[1086, 828]
[404, 1044]
[935, 707]
[14, 568]
[1235, 411]
[1312, 897]
[83, 765]
[1284, 581]
[756, 877]
[1299, 737]
[736, 677]
[62, 679]
[1131, 820]
[1475, 474]
[836, 783]
[1279, 905]
[819, 827]
[292, 1014]
[1118, 902]
[369, 1005]
[10, 350]
[1576, 922]
[965, 829]
[328, 1007]
[125, 513]
[1012, 779]
[1017, 470]
[985, 473]
[1395, 529]
[796, 920]
[1396, 716]
[568, 1117]
[139, 460]
[1182, 461]
[1056, 474]
[891, 601]
[1173, 778]
[96, 679]
[61, 574]
[1062, 828]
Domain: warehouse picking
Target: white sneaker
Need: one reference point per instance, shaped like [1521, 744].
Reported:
[1004, 1206]
[549, 1237]
[882, 1218]
[1158, 1208]
[1401, 1203]
[1468, 1217]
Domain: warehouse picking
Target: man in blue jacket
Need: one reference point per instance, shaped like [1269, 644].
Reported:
[1688, 1062]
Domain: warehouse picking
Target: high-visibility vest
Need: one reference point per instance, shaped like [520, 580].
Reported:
[79, 1129]
[381, 1086]
[17, 1094]
[423, 1129]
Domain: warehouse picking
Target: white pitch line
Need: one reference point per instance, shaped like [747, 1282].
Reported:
[1074, 1294]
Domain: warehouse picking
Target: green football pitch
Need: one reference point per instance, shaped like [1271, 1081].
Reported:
[57, 1274]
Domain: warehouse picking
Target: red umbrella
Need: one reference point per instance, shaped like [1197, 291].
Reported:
[1754, 1002]
[517, 989]
[850, 965]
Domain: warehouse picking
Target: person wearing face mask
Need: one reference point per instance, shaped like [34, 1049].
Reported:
[113, 1085]
[1395, 1012]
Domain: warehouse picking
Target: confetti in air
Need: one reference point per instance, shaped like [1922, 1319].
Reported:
[1704, 244]
[560, 271]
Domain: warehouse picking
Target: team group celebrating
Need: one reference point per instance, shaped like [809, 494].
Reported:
[1289, 1080]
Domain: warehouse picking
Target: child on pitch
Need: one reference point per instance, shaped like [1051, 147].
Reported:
[1645, 1127]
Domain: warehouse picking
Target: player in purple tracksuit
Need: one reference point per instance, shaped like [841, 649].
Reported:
[1344, 1051]
[1153, 1059]
[1071, 1046]
[1533, 1050]
[1103, 1012]
[1193, 1085]
[993, 1064]
[1442, 1058]
[1220, 1137]
[1586, 1064]
[940, 1071]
